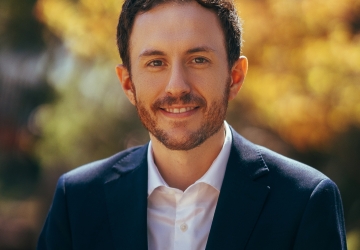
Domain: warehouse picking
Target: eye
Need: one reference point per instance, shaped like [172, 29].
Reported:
[200, 60]
[156, 63]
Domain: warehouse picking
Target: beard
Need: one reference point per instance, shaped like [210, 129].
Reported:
[214, 116]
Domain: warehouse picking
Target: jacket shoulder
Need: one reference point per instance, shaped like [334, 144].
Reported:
[98, 170]
[291, 172]
[263, 162]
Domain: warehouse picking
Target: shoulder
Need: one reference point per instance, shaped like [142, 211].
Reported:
[277, 170]
[101, 170]
[290, 179]
[281, 167]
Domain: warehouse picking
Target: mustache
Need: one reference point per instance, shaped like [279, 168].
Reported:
[188, 98]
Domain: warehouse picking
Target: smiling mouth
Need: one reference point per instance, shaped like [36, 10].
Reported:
[178, 110]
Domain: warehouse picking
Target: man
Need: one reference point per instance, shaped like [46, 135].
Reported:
[197, 184]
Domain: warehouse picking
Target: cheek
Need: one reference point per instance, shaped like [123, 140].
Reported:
[145, 90]
[211, 85]
[149, 84]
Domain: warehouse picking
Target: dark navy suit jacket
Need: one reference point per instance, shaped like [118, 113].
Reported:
[266, 201]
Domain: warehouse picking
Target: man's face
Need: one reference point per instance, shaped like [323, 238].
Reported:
[180, 80]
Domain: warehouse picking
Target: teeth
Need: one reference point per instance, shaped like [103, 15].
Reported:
[179, 110]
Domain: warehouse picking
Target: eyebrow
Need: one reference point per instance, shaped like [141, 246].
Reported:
[153, 52]
[200, 49]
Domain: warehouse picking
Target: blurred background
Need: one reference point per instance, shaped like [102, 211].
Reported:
[61, 105]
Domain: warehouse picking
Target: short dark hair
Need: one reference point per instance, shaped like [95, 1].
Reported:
[225, 10]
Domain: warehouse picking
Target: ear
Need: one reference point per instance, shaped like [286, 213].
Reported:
[124, 77]
[238, 73]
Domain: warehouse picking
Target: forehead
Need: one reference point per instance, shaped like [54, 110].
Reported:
[176, 26]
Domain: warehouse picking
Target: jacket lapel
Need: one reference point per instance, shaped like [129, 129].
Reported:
[126, 200]
[241, 197]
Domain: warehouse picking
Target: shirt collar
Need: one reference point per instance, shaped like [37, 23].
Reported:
[213, 177]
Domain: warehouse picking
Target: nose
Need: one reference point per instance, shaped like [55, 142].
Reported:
[178, 84]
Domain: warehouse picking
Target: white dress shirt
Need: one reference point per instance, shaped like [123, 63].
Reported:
[178, 220]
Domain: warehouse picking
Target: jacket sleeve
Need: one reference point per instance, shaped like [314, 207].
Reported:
[56, 231]
[322, 225]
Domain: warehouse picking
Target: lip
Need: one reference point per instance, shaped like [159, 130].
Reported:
[179, 112]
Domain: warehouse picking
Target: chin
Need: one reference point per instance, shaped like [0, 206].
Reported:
[185, 142]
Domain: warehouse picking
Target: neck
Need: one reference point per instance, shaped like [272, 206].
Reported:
[181, 168]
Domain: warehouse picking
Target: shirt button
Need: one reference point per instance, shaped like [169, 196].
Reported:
[184, 227]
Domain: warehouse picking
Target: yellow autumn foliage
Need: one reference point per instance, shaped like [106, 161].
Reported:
[304, 59]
